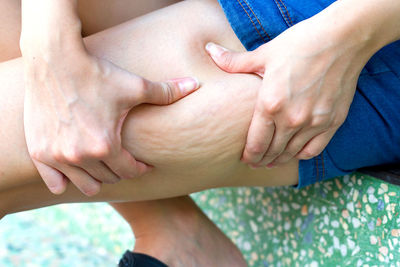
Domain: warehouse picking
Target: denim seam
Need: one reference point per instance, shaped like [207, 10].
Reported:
[248, 5]
[248, 15]
[316, 169]
[285, 13]
[323, 165]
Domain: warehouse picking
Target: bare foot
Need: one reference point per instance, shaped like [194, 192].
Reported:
[176, 232]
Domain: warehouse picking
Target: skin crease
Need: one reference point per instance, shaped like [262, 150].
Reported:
[193, 144]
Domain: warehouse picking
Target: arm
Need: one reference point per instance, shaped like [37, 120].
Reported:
[310, 74]
[76, 103]
[194, 144]
[380, 20]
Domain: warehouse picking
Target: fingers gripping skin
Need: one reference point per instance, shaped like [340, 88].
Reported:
[260, 134]
[307, 90]
[78, 135]
[76, 103]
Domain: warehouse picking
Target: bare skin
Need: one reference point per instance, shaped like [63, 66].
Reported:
[179, 224]
[190, 152]
[197, 241]
[203, 150]
[96, 16]
[64, 94]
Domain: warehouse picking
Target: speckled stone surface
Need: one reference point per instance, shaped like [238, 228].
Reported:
[349, 221]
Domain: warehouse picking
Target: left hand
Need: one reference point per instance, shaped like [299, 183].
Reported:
[309, 80]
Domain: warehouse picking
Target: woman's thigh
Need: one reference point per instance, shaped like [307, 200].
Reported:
[194, 144]
[10, 29]
[96, 15]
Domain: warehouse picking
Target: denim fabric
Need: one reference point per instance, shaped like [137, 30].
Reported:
[371, 133]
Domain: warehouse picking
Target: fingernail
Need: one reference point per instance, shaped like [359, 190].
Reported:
[271, 165]
[57, 189]
[253, 166]
[187, 85]
[215, 50]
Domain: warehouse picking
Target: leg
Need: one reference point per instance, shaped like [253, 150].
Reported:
[10, 29]
[178, 223]
[197, 244]
[194, 144]
[96, 15]
[151, 211]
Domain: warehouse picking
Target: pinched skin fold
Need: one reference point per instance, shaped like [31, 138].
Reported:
[202, 131]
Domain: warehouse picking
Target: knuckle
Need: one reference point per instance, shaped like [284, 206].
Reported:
[226, 60]
[58, 156]
[169, 94]
[272, 105]
[69, 155]
[73, 156]
[296, 120]
[319, 122]
[36, 154]
[39, 150]
[101, 149]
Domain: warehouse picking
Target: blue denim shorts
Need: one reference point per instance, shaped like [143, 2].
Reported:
[371, 133]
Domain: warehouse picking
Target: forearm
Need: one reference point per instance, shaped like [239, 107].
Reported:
[382, 17]
[367, 24]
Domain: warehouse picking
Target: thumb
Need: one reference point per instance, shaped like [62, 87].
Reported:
[229, 61]
[164, 93]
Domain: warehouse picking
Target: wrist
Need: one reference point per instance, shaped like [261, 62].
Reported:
[48, 47]
[75, 63]
[368, 25]
[344, 33]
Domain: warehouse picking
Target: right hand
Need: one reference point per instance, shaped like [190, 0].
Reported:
[310, 73]
[73, 114]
